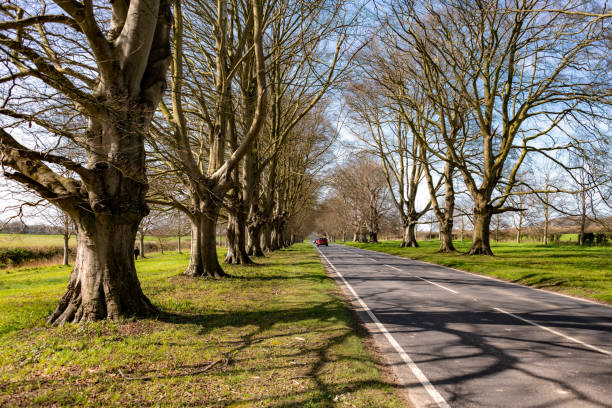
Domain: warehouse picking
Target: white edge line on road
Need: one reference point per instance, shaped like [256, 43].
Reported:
[555, 332]
[423, 279]
[550, 292]
[575, 340]
[435, 395]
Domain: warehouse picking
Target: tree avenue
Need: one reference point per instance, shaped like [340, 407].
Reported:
[198, 122]
[73, 84]
[447, 100]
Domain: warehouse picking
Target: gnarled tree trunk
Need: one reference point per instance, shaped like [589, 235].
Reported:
[103, 283]
[236, 252]
[481, 238]
[409, 240]
[254, 239]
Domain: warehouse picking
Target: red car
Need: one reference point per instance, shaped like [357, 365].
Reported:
[321, 241]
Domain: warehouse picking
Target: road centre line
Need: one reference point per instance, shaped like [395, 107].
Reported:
[548, 292]
[434, 394]
[575, 340]
[423, 279]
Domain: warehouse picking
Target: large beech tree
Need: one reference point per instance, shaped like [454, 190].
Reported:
[82, 77]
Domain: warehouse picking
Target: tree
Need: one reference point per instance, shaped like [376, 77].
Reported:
[362, 185]
[86, 78]
[514, 65]
[211, 45]
[59, 219]
[386, 133]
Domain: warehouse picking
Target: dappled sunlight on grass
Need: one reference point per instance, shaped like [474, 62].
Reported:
[276, 335]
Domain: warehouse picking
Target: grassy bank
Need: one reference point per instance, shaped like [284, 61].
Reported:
[276, 334]
[579, 271]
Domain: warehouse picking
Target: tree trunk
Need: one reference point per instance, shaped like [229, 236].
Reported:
[409, 240]
[446, 236]
[178, 245]
[481, 244]
[209, 246]
[254, 240]
[236, 252]
[373, 237]
[205, 262]
[266, 237]
[142, 251]
[103, 283]
[545, 237]
[355, 236]
[66, 239]
[196, 260]
[275, 238]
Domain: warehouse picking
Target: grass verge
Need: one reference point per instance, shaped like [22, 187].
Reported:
[277, 334]
[570, 269]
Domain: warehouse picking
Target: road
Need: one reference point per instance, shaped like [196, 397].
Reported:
[462, 340]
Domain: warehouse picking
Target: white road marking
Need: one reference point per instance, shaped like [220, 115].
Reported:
[435, 395]
[423, 279]
[575, 340]
[549, 292]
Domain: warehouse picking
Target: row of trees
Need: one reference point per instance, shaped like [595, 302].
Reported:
[88, 125]
[461, 96]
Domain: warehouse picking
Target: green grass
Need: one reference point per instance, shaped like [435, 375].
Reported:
[34, 241]
[283, 334]
[574, 270]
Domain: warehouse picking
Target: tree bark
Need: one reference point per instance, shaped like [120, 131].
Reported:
[236, 252]
[142, 251]
[254, 240]
[66, 239]
[545, 237]
[409, 240]
[105, 248]
[373, 237]
[266, 237]
[446, 236]
[204, 262]
[196, 260]
[481, 244]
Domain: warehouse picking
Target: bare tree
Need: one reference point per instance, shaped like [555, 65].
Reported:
[211, 45]
[86, 78]
[362, 185]
[513, 64]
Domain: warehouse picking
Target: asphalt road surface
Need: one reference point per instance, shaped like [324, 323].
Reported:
[462, 340]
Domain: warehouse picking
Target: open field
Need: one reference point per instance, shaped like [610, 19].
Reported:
[37, 241]
[579, 271]
[33, 241]
[277, 334]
